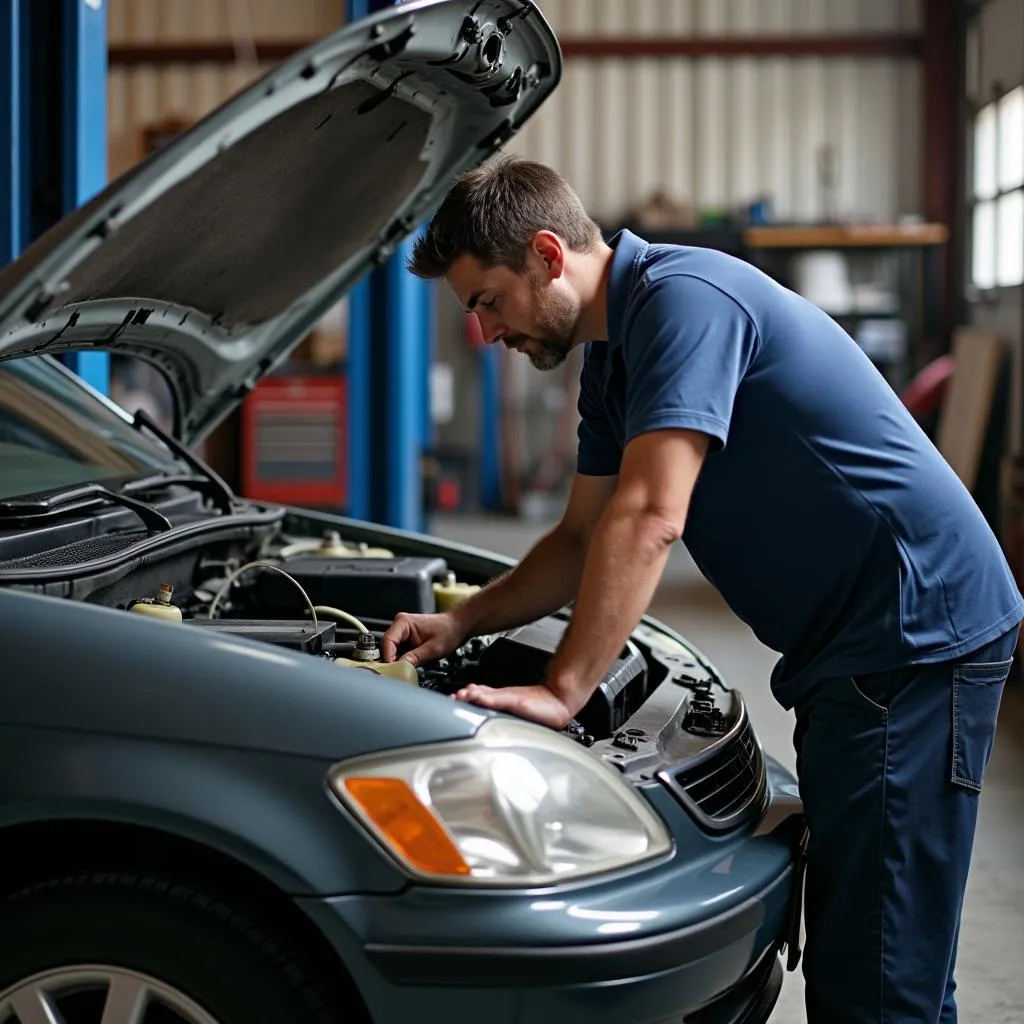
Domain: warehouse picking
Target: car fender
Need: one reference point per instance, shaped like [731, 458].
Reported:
[273, 814]
[86, 668]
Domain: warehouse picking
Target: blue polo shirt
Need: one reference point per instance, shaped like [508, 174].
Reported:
[823, 515]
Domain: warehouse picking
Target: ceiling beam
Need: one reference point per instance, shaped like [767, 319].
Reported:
[745, 46]
[597, 47]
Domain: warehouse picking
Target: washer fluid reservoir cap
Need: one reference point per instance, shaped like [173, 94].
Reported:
[159, 607]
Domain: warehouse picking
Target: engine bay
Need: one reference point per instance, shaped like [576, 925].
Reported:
[373, 585]
[333, 598]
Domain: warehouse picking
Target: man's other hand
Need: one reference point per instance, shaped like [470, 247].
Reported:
[537, 703]
[427, 637]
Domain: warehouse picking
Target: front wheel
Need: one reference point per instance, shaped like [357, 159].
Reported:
[127, 949]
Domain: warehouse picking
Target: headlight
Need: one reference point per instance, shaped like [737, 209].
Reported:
[516, 805]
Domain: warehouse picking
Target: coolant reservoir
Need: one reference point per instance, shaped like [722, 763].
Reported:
[451, 592]
[366, 655]
[400, 670]
[332, 546]
[159, 607]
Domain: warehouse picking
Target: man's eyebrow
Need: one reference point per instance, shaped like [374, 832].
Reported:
[473, 300]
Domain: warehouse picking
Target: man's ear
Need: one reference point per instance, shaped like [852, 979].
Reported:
[548, 253]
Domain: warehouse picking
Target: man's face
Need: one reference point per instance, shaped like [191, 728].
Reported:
[534, 312]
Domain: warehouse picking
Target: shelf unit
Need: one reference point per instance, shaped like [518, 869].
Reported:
[846, 236]
[915, 249]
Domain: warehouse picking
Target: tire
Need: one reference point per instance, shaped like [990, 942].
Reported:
[133, 930]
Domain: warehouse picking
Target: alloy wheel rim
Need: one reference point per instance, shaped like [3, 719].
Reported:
[129, 996]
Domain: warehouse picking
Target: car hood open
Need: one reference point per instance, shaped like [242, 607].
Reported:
[217, 254]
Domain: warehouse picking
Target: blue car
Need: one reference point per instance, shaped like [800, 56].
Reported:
[219, 805]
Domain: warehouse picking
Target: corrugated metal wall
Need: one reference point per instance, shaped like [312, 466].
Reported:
[144, 97]
[714, 132]
[721, 131]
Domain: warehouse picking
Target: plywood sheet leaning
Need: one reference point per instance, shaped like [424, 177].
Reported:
[967, 404]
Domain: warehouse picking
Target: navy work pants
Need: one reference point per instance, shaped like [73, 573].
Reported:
[891, 767]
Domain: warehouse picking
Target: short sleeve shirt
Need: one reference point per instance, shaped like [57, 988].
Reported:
[823, 514]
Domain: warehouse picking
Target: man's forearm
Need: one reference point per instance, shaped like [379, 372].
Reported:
[546, 579]
[624, 563]
[644, 512]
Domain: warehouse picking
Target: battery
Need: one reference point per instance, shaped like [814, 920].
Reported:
[291, 633]
[369, 588]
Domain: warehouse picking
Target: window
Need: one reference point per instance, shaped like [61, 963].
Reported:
[998, 193]
[54, 433]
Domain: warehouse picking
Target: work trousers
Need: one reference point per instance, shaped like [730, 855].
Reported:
[891, 769]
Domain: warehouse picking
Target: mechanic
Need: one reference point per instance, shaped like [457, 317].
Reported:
[722, 408]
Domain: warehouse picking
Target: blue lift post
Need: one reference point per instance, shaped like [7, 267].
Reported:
[13, 151]
[490, 428]
[53, 126]
[390, 343]
[84, 134]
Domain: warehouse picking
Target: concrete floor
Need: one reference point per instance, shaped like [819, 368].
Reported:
[990, 974]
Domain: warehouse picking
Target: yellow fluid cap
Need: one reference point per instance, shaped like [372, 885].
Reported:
[167, 612]
[159, 607]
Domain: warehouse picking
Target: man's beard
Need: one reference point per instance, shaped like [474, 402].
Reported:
[548, 354]
[556, 327]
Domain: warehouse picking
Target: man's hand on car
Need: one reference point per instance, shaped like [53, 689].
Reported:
[536, 703]
[428, 637]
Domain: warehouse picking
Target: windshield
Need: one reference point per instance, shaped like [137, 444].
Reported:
[54, 433]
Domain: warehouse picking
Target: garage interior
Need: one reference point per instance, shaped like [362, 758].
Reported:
[868, 154]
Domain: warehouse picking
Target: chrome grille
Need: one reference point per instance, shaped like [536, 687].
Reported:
[727, 786]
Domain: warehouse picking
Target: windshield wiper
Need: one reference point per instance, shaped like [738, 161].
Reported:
[205, 479]
[162, 481]
[79, 498]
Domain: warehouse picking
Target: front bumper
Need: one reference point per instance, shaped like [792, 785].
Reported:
[648, 947]
[644, 981]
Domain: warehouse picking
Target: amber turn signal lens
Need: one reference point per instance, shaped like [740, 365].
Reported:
[410, 828]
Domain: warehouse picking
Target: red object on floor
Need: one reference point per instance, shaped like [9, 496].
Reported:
[448, 497]
[924, 394]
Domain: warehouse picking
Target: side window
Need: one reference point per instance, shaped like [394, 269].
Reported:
[997, 193]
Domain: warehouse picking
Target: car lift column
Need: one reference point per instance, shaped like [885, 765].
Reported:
[13, 151]
[84, 133]
[389, 349]
[53, 121]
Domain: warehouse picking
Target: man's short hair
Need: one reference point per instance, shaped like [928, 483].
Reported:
[493, 211]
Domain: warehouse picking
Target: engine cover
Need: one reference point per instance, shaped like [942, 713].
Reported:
[520, 657]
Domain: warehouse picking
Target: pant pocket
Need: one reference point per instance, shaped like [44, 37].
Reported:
[977, 692]
[872, 691]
